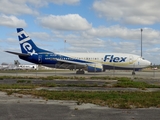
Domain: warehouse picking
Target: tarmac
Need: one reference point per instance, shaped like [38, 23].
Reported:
[112, 73]
[26, 107]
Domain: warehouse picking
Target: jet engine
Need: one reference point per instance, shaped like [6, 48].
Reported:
[96, 67]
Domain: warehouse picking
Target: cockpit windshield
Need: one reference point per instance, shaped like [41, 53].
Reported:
[142, 58]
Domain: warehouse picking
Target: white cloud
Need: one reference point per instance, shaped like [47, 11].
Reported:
[124, 47]
[115, 32]
[65, 22]
[19, 7]
[109, 39]
[144, 12]
[148, 35]
[81, 44]
[11, 21]
[41, 3]
[70, 2]
[15, 7]
[77, 42]
[12, 41]
[40, 35]
[7, 58]
[154, 50]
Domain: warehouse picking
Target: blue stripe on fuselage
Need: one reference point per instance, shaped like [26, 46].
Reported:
[51, 59]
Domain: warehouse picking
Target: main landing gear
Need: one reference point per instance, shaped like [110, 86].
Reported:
[133, 72]
[80, 71]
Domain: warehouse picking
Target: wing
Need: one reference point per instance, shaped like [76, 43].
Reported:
[70, 64]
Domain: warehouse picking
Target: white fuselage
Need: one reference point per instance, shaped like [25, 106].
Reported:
[111, 59]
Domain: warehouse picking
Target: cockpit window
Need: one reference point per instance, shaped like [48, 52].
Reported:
[142, 58]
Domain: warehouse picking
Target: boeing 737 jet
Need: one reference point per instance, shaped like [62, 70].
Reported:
[91, 62]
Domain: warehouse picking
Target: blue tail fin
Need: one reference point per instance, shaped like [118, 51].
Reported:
[26, 43]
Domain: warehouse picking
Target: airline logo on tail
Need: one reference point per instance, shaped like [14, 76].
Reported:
[25, 43]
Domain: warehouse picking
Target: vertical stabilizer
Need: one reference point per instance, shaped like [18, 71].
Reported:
[26, 43]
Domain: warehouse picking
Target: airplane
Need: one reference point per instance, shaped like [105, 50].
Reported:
[91, 62]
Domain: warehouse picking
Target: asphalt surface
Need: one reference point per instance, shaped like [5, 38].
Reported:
[26, 107]
[117, 73]
[75, 85]
[22, 107]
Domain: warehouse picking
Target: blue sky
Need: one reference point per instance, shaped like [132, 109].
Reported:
[86, 25]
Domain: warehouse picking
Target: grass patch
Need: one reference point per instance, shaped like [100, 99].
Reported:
[59, 77]
[115, 99]
[16, 86]
[1, 78]
[125, 83]
[54, 77]
[122, 81]
[79, 85]
[102, 78]
[62, 78]
[112, 99]
[49, 85]
[69, 85]
[17, 77]
[23, 81]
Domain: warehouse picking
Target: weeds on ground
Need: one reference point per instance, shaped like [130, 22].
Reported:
[115, 99]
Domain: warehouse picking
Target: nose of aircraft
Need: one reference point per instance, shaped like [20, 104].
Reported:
[151, 64]
[145, 63]
[148, 63]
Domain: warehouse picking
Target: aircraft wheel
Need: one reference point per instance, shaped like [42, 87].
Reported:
[80, 72]
[133, 73]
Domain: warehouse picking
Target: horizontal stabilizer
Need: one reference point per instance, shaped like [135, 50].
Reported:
[20, 54]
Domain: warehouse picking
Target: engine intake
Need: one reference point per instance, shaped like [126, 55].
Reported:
[95, 67]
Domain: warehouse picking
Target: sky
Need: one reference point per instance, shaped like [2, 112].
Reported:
[82, 26]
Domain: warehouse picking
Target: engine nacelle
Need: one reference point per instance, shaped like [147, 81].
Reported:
[97, 67]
